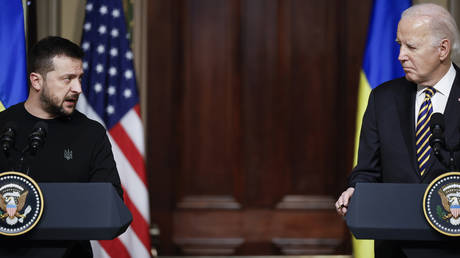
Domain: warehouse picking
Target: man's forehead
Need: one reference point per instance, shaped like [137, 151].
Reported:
[415, 22]
[62, 62]
[66, 59]
[413, 28]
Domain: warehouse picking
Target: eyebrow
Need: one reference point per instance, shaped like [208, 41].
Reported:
[73, 75]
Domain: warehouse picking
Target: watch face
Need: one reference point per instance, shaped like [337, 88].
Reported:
[21, 203]
[441, 204]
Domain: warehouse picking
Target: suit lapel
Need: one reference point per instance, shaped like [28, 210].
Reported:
[406, 108]
[452, 118]
[451, 113]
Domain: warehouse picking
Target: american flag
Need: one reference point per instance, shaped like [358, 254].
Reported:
[110, 96]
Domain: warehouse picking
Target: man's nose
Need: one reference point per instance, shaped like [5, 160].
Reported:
[402, 54]
[76, 87]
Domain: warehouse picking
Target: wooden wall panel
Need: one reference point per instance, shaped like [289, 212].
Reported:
[263, 101]
[251, 123]
[313, 94]
[209, 148]
[163, 102]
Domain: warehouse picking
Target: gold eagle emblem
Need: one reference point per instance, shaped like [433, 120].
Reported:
[450, 199]
[445, 204]
[11, 208]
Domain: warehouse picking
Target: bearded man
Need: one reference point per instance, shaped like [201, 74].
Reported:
[76, 149]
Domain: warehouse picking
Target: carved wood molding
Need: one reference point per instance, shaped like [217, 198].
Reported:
[224, 202]
[208, 246]
[306, 246]
[306, 202]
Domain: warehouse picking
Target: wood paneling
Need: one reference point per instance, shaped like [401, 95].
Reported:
[208, 114]
[262, 103]
[251, 123]
[164, 101]
[256, 225]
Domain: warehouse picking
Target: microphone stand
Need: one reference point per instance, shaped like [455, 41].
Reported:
[32, 149]
[9, 160]
[450, 165]
[21, 161]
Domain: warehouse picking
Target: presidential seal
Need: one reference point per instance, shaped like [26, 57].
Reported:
[441, 204]
[21, 203]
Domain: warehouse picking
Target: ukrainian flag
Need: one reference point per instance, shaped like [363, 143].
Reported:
[13, 68]
[380, 64]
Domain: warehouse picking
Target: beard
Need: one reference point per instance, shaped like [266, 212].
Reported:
[55, 106]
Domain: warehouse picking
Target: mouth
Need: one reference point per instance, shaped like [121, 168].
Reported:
[407, 68]
[71, 100]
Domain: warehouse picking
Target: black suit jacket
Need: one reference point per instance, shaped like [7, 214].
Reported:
[387, 142]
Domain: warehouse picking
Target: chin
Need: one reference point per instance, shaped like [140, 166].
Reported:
[411, 78]
[70, 112]
[67, 112]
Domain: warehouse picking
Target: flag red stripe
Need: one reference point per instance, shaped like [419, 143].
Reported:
[115, 248]
[139, 225]
[137, 108]
[129, 150]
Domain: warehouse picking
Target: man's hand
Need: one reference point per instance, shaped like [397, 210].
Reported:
[341, 206]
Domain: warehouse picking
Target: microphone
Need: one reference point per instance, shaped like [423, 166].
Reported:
[8, 136]
[437, 140]
[38, 136]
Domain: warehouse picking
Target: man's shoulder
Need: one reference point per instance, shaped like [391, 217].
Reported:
[83, 121]
[15, 108]
[395, 86]
[12, 111]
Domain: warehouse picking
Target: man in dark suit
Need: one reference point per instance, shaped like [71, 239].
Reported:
[394, 142]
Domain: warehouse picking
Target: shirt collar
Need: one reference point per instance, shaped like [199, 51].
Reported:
[442, 86]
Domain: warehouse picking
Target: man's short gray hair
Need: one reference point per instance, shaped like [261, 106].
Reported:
[442, 24]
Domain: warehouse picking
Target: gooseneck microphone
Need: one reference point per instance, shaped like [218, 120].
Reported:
[37, 137]
[8, 137]
[36, 140]
[437, 141]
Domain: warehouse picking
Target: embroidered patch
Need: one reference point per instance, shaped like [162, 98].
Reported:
[68, 154]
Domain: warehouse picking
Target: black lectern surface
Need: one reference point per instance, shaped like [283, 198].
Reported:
[79, 211]
[390, 212]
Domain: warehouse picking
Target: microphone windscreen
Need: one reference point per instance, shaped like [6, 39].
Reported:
[42, 126]
[437, 119]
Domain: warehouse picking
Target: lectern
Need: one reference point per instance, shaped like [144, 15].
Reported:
[383, 211]
[75, 211]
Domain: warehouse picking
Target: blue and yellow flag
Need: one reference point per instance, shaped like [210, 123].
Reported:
[380, 64]
[13, 68]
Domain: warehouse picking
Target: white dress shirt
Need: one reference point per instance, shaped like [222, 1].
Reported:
[439, 99]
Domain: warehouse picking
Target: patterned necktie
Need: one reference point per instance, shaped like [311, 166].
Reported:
[423, 133]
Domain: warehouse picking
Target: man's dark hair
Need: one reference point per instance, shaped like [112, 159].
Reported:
[41, 54]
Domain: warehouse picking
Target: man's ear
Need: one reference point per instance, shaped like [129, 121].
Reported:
[36, 81]
[444, 49]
